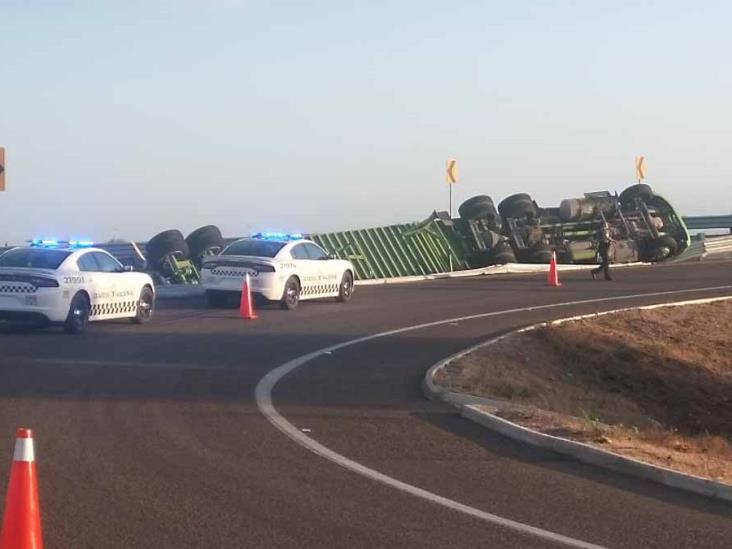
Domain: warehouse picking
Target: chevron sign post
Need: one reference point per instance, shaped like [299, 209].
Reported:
[451, 177]
[2, 169]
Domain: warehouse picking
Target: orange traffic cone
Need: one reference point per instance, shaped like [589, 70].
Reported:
[246, 309]
[553, 278]
[22, 519]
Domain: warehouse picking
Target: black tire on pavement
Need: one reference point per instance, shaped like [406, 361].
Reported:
[291, 295]
[640, 190]
[170, 242]
[661, 248]
[517, 205]
[502, 253]
[205, 240]
[480, 259]
[503, 258]
[345, 290]
[145, 306]
[78, 318]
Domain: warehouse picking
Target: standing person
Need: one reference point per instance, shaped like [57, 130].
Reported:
[604, 238]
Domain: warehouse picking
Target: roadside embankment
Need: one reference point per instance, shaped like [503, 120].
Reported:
[654, 385]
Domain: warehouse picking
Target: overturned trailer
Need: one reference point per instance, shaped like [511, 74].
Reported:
[643, 224]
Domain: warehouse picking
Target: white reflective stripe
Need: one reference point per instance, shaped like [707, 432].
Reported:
[24, 450]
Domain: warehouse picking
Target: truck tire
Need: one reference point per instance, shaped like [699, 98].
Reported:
[480, 259]
[477, 207]
[539, 253]
[661, 248]
[517, 205]
[204, 241]
[502, 253]
[170, 242]
[641, 190]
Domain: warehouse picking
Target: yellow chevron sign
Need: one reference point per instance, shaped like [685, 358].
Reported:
[640, 168]
[451, 171]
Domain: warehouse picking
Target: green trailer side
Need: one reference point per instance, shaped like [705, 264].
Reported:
[407, 249]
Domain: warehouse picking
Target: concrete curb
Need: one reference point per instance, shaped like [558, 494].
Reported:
[171, 291]
[468, 406]
[509, 268]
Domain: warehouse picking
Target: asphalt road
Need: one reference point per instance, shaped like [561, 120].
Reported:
[150, 436]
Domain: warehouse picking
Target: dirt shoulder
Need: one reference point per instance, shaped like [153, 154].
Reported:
[655, 385]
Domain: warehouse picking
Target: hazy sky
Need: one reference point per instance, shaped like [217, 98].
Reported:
[127, 118]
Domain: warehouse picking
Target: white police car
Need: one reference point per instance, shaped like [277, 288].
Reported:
[281, 267]
[70, 283]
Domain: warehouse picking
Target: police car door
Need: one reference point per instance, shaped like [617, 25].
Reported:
[307, 270]
[327, 283]
[118, 297]
[93, 281]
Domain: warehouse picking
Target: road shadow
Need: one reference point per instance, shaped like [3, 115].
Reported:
[452, 422]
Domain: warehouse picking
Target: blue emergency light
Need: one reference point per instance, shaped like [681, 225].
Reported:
[277, 236]
[53, 243]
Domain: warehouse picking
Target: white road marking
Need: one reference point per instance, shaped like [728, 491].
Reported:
[263, 394]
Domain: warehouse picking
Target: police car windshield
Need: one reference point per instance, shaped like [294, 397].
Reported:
[259, 248]
[33, 258]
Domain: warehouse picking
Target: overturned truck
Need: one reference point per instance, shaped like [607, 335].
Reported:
[643, 224]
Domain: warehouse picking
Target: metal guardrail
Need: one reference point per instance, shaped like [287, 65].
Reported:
[703, 247]
[702, 222]
[718, 245]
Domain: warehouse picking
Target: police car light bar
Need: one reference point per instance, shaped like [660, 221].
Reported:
[53, 243]
[277, 236]
[44, 243]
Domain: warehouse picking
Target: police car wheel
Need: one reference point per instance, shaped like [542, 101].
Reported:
[346, 288]
[78, 317]
[144, 307]
[291, 295]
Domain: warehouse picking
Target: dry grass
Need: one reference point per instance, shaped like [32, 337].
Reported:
[655, 385]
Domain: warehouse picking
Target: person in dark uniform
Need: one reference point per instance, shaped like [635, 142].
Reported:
[604, 238]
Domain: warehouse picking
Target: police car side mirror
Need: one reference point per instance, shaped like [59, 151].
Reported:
[128, 268]
[330, 256]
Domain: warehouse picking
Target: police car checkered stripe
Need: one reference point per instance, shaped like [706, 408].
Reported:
[120, 307]
[17, 289]
[228, 272]
[320, 289]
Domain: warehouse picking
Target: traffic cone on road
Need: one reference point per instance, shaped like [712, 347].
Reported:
[22, 519]
[246, 309]
[553, 278]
